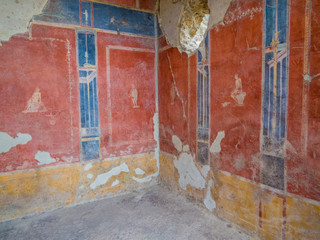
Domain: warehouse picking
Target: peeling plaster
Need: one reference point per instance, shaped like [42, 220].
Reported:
[16, 15]
[208, 201]
[205, 170]
[186, 148]
[188, 171]
[146, 179]
[103, 178]
[115, 183]
[177, 143]
[157, 139]
[139, 171]
[90, 176]
[7, 142]
[44, 158]
[215, 147]
[88, 167]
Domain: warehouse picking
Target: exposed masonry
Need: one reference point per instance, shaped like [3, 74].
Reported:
[186, 22]
[7, 142]
[16, 15]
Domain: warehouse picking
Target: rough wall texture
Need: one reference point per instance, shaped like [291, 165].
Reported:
[256, 162]
[15, 16]
[186, 22]
[78, 91]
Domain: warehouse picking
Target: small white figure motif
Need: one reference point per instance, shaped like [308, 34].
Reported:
[34, 103]
[86, 16]
[237, 94]
[134, 96]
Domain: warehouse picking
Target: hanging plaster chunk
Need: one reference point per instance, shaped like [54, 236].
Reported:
[7, 142]
[193, 25]
[186, 22]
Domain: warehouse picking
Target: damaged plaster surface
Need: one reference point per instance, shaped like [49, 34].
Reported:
[208, 201]
[7, 142]
[216, 145]
[139, 171]
[188, 171]
[44, 158]
[16, 15]
[104, 178]
[186, 22]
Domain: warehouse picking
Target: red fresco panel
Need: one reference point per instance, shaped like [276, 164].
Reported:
[235, 50]
[172, 112]
[132, 128]
[303, 176]
[51, 113]
[129, 3]
[148, 4]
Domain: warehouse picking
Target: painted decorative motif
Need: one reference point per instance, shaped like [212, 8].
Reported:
[35, 104]
[237, 94]
[134, 96]
[203, 102]
[89, 109]
[98, 15]
[275, 88]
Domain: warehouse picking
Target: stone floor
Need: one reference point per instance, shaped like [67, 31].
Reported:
[152, 213]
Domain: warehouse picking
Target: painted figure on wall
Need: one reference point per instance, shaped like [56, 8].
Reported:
[134, 96]
[35, 104]
[237, 94]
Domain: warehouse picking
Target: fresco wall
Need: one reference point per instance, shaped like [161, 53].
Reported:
[78, 120]
[260, 167]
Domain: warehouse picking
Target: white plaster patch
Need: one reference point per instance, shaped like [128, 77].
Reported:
[88, 167]
[146, 179]
[90, 176]
[68, 159]
[186, 148]
[104, 177]
[208, 201]
[7, 142]
[215, 147]
[139, 171]
[205, 169]
[188, 172]
[156, 138]
[44, 158]
[115, 183]
[177, 143]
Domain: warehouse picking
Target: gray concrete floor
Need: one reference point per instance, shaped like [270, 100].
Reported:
[151, 213]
